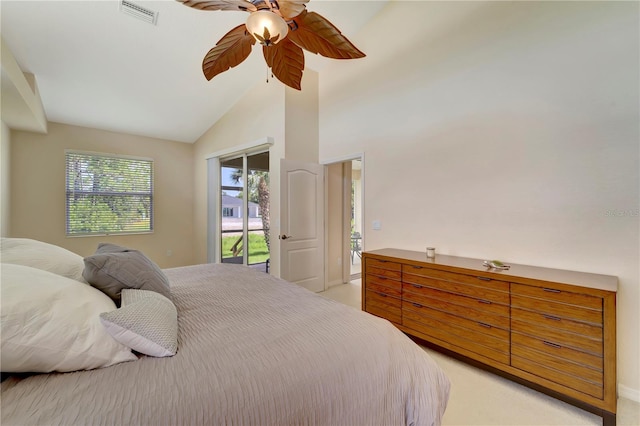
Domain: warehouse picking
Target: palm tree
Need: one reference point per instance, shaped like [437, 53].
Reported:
[258, 189]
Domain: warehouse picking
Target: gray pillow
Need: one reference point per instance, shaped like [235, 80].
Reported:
[111, 248]
[113, 268]
[147, 322]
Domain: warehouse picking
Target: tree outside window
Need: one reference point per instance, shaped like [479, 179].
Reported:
[108, 194]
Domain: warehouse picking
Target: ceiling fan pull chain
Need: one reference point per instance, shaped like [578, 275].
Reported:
[269, 71]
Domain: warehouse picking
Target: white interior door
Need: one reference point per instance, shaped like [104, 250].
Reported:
[302, 224]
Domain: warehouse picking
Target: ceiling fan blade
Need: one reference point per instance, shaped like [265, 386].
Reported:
[243, 5]
[289, 9]
[230, 51]
[317, 35]
[286, 61]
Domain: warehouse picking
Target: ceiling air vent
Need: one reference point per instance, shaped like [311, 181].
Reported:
[139, 12]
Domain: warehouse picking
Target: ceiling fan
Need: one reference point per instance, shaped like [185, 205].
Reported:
[284, 28]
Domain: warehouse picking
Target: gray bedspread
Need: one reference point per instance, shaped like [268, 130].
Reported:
[252, 350]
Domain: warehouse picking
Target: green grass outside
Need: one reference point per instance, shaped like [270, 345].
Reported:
[258, 251]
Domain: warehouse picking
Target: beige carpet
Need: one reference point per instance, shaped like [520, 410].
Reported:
[480, 398]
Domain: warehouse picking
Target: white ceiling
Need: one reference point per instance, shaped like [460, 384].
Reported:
[98, 67]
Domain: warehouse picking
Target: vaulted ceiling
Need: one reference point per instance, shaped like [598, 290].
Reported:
[98, 67]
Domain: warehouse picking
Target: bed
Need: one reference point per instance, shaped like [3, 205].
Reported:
[251, 349]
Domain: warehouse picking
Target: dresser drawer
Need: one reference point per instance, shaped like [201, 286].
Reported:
[558, 376]
[441, 326]
[384, 306]
[381, 301]
[387, 273]
[560, 310]
[467, 323]
[559, 337]
[557, 350]
[390, 290]
[479, 303]
[477, 316]
[570, 368]
[384, 313]
[550, 294]
[384, 264]
[561, 324]
[482, 293]
[457, 278]
[381, 280]
[487, 293]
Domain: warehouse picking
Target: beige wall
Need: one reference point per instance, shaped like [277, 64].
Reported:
[301, 120]
[503, 130]
[5, 180]
[38, 190]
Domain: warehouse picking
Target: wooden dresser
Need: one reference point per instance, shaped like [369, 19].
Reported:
[549, 329]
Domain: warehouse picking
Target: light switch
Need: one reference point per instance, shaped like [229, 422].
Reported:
[376, 225]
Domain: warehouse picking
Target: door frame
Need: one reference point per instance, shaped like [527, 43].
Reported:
[346, 243]
[214, 219]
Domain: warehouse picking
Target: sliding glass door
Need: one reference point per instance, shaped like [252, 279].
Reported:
[244, 209]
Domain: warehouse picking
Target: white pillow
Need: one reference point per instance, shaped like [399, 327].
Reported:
[45, 256]
[52, 323]
[146, 322]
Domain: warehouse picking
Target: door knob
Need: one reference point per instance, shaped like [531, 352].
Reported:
[284, 237]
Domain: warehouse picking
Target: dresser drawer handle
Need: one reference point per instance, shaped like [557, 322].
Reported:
[484, 279]
[383, 261]
[416, 267]
[382, 294]
[551, 317]
[551, 290]
[482, 324]
[417, 285]
[486, 302]
[417, 305]
[553, 345]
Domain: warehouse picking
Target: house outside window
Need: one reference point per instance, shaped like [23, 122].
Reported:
[227, 211]
[108, 194]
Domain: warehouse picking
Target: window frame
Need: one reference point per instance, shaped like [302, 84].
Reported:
[151, 194]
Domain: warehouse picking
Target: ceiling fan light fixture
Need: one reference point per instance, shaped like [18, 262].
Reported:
[283, 22]
[267, 27]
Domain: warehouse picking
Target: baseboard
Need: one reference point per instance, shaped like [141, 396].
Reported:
[333, 284]
[628, 393]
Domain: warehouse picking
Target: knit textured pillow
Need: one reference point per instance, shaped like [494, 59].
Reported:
[146, 322]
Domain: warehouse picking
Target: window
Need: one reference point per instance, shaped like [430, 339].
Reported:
[108, 194]
[244, 228]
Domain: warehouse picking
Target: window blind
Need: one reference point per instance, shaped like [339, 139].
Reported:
[108, 194]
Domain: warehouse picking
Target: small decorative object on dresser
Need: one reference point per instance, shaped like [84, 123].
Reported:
[549, 329]
[495, 264]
